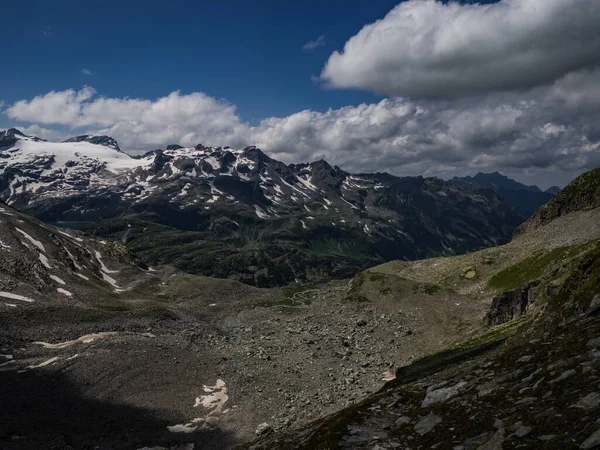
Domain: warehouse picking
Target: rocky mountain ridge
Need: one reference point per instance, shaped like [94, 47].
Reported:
[583, 193]
[238, 213]
[399, 356]
[524, 199]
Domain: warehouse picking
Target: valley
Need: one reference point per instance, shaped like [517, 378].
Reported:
[144, 357]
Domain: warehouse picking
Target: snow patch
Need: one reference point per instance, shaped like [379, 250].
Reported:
[45, 363]
[214, 400]
[69, 236]
[35, 242]
[260, 212]
[349, 203]
[15, 297]
[64, 292]
[308, 184]
[188, 428]
[83, 340]
[58, 280]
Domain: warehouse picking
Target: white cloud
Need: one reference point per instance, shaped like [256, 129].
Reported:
[425, 48]
[62, 107]
[86, 72]
[136, 123]
[318, 42]
[46, 133]
[548, 132]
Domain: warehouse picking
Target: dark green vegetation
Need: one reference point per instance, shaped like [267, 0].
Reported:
[580, 291]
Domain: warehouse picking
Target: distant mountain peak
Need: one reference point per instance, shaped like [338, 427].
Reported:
[524, 199]
[106, 141]
[13, 134]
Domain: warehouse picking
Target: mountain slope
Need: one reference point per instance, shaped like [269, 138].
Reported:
[240, 214]
[580, 195]
[530, 382]
[524, 199]
[44, 264]
[169, 359]
[145, 358]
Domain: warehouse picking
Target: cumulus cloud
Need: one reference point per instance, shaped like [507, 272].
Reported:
[136, 123]
[548, 133]
[48, 134]
[426, 48]
[318, 42]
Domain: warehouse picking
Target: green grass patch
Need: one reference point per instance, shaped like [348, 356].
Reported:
[530, 269]
[290, 291]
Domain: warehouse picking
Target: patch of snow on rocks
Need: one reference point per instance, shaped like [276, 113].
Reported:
[83, 339]
[45, 363]
[57, 279]
[15, 297]
[35, 242]
[260, 212]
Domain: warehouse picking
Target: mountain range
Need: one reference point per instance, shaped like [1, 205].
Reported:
[524, 199]
[237, 213]
[496, 348]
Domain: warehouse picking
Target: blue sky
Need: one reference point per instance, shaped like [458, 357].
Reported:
[414, 87]
[248, 52]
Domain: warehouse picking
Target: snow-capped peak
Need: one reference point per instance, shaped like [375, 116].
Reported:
[105, 141]
[11, 135]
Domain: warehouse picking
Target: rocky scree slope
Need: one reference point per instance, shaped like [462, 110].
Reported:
[44, 264]
[96, 352]
[239, 214]
[580, 195]
[533, 381]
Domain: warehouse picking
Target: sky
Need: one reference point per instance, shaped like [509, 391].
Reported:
[418, 87]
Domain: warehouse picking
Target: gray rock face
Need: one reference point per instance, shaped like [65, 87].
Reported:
[589, 402]
[594, 343]
[511, 304]
[563, 376]
[427, 423]
[263, 429]
[520, 430]
[403, 420]
[443, 394]
[591, 442]
[106, 141]
[495, 442]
